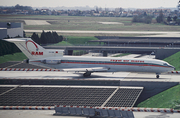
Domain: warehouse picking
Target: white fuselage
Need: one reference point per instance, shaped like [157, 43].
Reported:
[55, 59]
[114, 63]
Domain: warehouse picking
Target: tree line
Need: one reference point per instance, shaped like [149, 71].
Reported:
[162, 19]
[159, 19]
[44, 39]
[7, 48]
[142, 19]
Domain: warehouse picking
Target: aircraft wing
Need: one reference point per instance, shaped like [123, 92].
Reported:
[93, 69]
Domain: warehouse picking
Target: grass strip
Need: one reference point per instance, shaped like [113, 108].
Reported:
[12, 57]
[174, 60]
[169, 98]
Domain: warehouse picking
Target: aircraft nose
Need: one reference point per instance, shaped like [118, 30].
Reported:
[173, 67]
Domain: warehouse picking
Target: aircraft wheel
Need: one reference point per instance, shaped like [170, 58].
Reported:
[157, 76]
[87, 74]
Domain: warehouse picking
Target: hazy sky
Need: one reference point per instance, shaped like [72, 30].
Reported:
[92, 3]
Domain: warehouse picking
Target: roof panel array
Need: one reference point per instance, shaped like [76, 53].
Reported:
[4, 89]
[124, 98]
[73, 96]
[49, 96]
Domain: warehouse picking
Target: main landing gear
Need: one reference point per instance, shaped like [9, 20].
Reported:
[87, 74]
[157, 76]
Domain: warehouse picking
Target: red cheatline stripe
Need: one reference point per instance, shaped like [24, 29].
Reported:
[141, 64]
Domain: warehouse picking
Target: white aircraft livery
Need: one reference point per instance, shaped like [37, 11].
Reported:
[37, 55]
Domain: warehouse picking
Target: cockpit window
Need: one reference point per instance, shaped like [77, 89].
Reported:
[165, 64]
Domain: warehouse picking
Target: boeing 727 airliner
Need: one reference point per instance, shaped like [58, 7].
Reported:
[54, 59]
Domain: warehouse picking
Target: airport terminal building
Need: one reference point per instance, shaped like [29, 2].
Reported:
[10, 29]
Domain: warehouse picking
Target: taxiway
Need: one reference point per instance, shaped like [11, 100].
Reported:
[95, 76]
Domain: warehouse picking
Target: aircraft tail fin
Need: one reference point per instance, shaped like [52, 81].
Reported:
[32, 50]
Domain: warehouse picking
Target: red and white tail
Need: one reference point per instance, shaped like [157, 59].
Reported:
[32, 50]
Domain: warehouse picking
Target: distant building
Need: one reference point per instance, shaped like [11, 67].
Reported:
[3, 33]
[11, 29]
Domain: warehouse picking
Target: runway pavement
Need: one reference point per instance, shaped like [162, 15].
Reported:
[36, 22]
[95, 76]
[107, 32]
[61, 75]
[148, 33]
